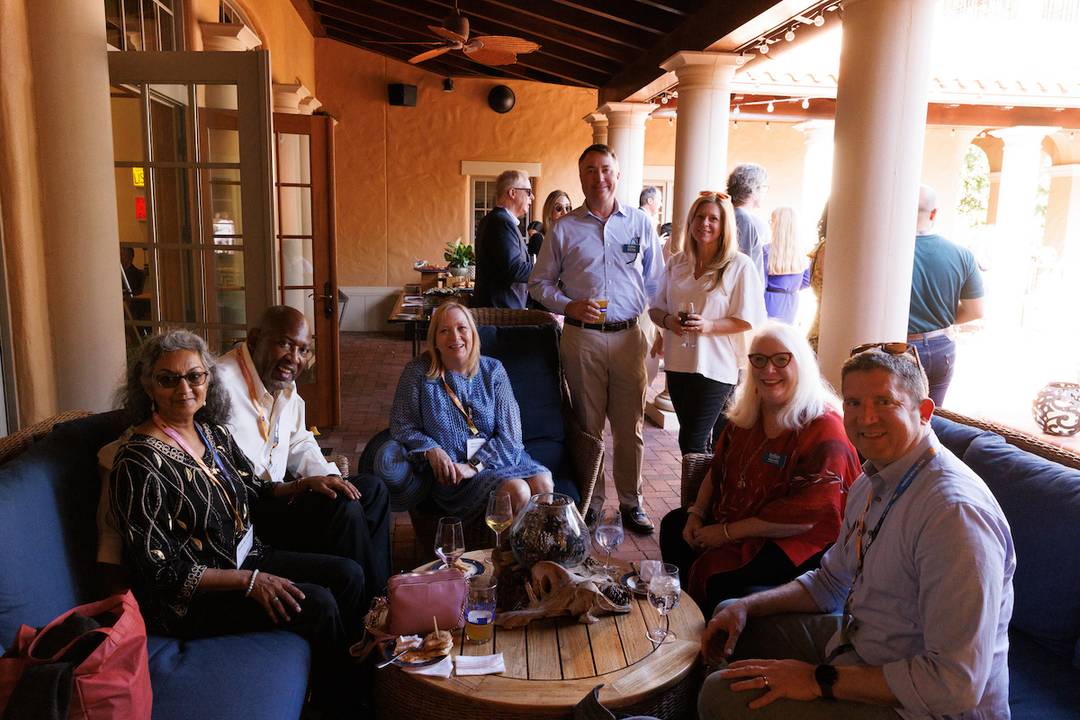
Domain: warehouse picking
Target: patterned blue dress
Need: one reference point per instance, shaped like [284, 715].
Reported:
[424, 417]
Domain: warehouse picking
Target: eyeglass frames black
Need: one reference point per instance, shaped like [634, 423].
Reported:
[779, 360]
[195, 378]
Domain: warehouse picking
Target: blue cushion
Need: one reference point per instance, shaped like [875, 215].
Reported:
[256, 675]
[1041, 685]
[530, 354]
[956, 436]
[1041, 500]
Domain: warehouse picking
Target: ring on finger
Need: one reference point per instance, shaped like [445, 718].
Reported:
[765, 682]
[276, 599]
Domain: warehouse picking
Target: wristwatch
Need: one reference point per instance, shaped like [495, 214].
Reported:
[476, 465]
[826, 676]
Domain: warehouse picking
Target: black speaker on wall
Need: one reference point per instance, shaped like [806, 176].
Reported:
[401, 94]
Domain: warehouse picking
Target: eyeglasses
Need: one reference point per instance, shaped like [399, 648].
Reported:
[527, 191]
[779, 360]
[562, 208]
[195, 378]
[889, 348]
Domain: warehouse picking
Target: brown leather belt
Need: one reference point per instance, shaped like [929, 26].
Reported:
[604, 327]
[916, 337]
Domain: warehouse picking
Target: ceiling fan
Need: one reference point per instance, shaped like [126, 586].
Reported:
[485, 49]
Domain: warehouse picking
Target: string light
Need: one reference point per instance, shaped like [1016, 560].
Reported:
[763, 48]
[819, 21]
[736, 111]
[805, 103]
[769, 107]
[789, 35]
[761, 44]
[663, 99]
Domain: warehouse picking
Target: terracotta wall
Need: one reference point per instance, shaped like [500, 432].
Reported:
[660, 141]
[400, 191]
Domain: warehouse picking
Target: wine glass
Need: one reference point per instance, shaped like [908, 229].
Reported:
[664, 592]
[686, 309]
[609, 533]
[449, 540]
[500, 513]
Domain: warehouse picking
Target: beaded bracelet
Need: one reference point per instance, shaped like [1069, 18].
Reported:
[251, 583]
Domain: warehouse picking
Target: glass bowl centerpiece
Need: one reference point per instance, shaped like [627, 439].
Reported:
[549, 527]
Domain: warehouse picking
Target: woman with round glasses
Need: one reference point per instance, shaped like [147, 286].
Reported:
[773, 497]
[180, 495]
[710, 295]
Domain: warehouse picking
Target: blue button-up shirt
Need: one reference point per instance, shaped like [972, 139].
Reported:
[586, 257]
[935, 598]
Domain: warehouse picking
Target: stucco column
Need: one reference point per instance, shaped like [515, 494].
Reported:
[701, 137]
[1063, 212]
[943, 166]
[1017, 236]
[880, 123]
[626, 136]
[78, 198]
[817, 169]
[599, 123]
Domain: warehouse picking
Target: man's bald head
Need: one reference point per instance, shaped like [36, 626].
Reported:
[927, 210]
[280, 344]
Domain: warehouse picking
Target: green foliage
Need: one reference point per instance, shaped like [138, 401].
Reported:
[458, 254]
[976, 180]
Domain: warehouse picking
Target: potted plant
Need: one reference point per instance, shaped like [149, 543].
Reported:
[460, 256]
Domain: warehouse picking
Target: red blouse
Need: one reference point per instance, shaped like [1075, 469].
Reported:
[795, 478]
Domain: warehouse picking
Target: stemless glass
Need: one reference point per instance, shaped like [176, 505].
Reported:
[500, 513]
[686, 309]
[609, 533]
[449, 540]
[664, 592]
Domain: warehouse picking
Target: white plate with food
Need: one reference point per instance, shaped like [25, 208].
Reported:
[467, 566]
[414, 651]
[633, 582]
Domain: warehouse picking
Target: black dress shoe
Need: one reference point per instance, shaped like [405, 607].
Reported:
[635, 520]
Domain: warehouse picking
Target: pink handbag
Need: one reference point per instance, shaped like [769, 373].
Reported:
[418, 598]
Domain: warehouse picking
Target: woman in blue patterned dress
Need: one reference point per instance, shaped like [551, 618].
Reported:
[456, 416]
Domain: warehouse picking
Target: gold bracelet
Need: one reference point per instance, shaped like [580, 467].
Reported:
[727, 533]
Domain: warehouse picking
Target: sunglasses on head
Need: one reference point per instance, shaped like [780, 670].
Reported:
[889, 348]
[760, 360]
[195, 378]
[717, 193]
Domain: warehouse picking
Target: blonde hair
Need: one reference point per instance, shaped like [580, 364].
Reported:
[549, 209]
[728, 245]
[812, 396]
[435, 362]
[784, 255]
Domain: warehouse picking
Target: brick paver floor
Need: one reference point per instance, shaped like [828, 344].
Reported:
[370, 366]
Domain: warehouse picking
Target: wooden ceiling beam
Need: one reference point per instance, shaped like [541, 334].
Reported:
[580, 23]
[437, 66]
[641, 17]
[715, 19]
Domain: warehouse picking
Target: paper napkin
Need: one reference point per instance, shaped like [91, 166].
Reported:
[480, 664]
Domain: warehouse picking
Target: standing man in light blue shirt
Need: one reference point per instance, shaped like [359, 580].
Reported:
[599, 267]
[918, 586]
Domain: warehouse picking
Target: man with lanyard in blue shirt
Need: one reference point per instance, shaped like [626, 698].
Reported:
[599, 267]
[920, 581]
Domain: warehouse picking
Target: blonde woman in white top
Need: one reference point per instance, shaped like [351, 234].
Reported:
[704, 350]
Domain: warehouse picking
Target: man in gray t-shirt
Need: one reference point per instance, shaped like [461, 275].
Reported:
[747, 185]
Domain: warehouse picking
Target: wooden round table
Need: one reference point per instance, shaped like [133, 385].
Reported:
[552, 664]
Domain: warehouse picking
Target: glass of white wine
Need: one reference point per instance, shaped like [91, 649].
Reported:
[664, 593]
[449, 540]
[500, 514]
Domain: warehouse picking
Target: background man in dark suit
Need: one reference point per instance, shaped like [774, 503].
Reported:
[503, 264]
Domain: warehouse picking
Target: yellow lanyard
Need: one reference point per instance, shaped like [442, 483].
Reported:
[264, 423]
[467, 412]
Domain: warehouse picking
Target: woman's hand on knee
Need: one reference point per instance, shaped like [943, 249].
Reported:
[277, 595]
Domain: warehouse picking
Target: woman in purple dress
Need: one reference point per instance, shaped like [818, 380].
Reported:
[785, 267]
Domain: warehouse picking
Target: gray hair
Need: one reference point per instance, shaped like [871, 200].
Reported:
[903, 367]
[648, 193]
[745, 181]
[136, 403]
[509, 179]
[812, 396]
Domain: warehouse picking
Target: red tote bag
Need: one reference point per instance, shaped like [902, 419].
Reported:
[112, 682]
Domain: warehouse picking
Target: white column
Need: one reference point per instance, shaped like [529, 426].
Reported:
[701, 137]
[599, 123]
[817, 170]
[880, 123]
[943, 165]
[626, 136]
[1063, 212]
[75, 156]
[1017, 237]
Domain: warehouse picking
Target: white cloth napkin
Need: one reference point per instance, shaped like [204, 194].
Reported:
[442, 669]
[480, 664]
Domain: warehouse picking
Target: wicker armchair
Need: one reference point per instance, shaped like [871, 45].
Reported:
[18, 441]
[585, 451]
[694, 467]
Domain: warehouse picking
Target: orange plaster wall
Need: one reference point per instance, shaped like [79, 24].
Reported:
[400, 192]
[276, 22]
[660, 142]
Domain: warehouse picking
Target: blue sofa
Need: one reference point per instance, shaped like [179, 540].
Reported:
[48, 536]
[1041, 499]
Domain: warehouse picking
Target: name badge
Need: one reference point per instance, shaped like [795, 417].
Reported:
[244, 546]
[776, 459]
[633, 248]
[473, 445]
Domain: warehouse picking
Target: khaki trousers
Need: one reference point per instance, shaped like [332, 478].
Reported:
[606, 376]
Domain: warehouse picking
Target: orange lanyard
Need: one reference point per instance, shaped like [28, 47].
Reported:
[211, 475]
[466, 412]
[264, 423]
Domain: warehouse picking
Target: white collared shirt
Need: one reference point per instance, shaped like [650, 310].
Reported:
[290, 445]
